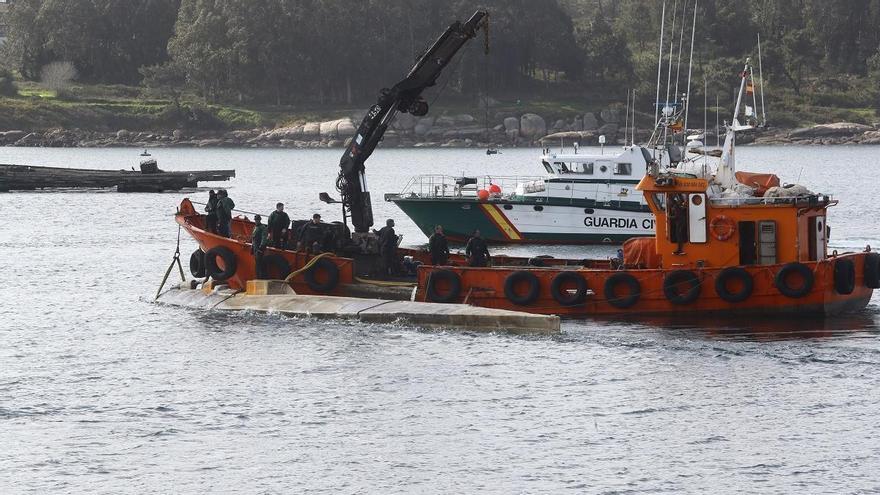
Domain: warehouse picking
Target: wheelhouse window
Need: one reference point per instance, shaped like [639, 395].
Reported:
[548, 167]
[623, 169]
[563, 168]
[583, 168]
[659, 200]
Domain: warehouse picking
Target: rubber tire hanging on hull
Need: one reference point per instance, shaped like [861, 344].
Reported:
[278, 263]
[229, 261]
[197, 263]
[731, 273]
[794, 292]
[567, 298]
[635, 289]
[844, 276]
[672, 292]
[531, 294]
[449, 277]
[332, 276]
[872, 271]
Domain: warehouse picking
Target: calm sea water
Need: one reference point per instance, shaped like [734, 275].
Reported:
[102, 391]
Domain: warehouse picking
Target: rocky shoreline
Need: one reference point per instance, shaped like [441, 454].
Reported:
[445, 131]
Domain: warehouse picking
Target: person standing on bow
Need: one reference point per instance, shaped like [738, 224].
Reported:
[438, 247]
[476, 250]
[211, 212]
[259, 242]
[277, 224]
[225, 205]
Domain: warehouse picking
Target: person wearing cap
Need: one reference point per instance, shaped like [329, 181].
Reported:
[310, 235]
[225, 205]
[438, 247]
[259, 242]
[211, 212]
[277, 224]
[388, 248]
[476, 250]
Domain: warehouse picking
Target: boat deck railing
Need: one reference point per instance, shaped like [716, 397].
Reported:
[805, 200]
[450, 187]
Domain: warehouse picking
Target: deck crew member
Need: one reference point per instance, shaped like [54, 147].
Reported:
[310, 235]
[388, 248]
[211, 210]
[678, 221]
[225, 205]
[277, 224]
[476, 250]
[438, 247]
[259, 241]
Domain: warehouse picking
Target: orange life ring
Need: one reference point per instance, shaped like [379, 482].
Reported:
[722, 227]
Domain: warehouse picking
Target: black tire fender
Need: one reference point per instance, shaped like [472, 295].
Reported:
[448, 276]
[197, 263]
[332, 271]
[567, 298]
[794, 292]
[230, 263]
[531, 294]
[277, 263]
[622, 278]
[731, 273]
[677, 277]
[844, 276]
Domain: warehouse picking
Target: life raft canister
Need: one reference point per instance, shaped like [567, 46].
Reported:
[275, 266]
[447, 277]
[844, 276]
[330, 270]
[872, 271]
[564, 296]
[230, 263]
[722, 227]
[197, 263]
[531, 293]
[622, 302]
[730, 274]
[787, 290]
[672, 283]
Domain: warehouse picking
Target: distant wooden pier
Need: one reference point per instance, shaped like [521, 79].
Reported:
[148, 179]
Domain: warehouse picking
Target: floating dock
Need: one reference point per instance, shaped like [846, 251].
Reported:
[148, 179]
[432, 315]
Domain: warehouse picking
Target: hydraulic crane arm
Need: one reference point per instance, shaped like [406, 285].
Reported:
[405, 96]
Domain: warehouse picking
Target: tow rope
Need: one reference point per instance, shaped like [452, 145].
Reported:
[174, 260]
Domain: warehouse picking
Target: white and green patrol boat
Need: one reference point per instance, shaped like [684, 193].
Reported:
[583, 199]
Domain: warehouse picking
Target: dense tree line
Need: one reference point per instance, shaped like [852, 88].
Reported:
[333, 51]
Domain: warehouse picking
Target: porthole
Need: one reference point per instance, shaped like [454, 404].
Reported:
[589, 211]
[539, 208]
[603, 168]
[508, 207]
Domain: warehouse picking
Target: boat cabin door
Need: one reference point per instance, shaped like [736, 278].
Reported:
[817, 238]
[697, 218]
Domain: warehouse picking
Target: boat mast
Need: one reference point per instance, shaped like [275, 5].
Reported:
[660, 62]
[626, 121]
[761, 77]
[687, 102]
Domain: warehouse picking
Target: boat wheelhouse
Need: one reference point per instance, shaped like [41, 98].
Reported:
[582, 199]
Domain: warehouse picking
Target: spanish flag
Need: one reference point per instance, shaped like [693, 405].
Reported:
[750, 88]
[677, 126]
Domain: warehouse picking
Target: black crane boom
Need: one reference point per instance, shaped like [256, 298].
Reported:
[405, 96]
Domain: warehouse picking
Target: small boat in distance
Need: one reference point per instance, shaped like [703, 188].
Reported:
[582, 199]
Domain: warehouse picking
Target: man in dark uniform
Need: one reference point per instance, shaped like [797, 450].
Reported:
[438, 247]
[259, 241]
[225, 205]
[388, 248]
[678, 221]
[211, 210]
[278, 223]
[476, 250]
[310, 235]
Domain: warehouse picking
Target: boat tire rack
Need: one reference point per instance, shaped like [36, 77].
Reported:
[623, 290]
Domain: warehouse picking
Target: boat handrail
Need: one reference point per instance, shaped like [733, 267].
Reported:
[448, 186]
[819, 199]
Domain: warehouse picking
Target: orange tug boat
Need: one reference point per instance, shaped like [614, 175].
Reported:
[740, 255]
